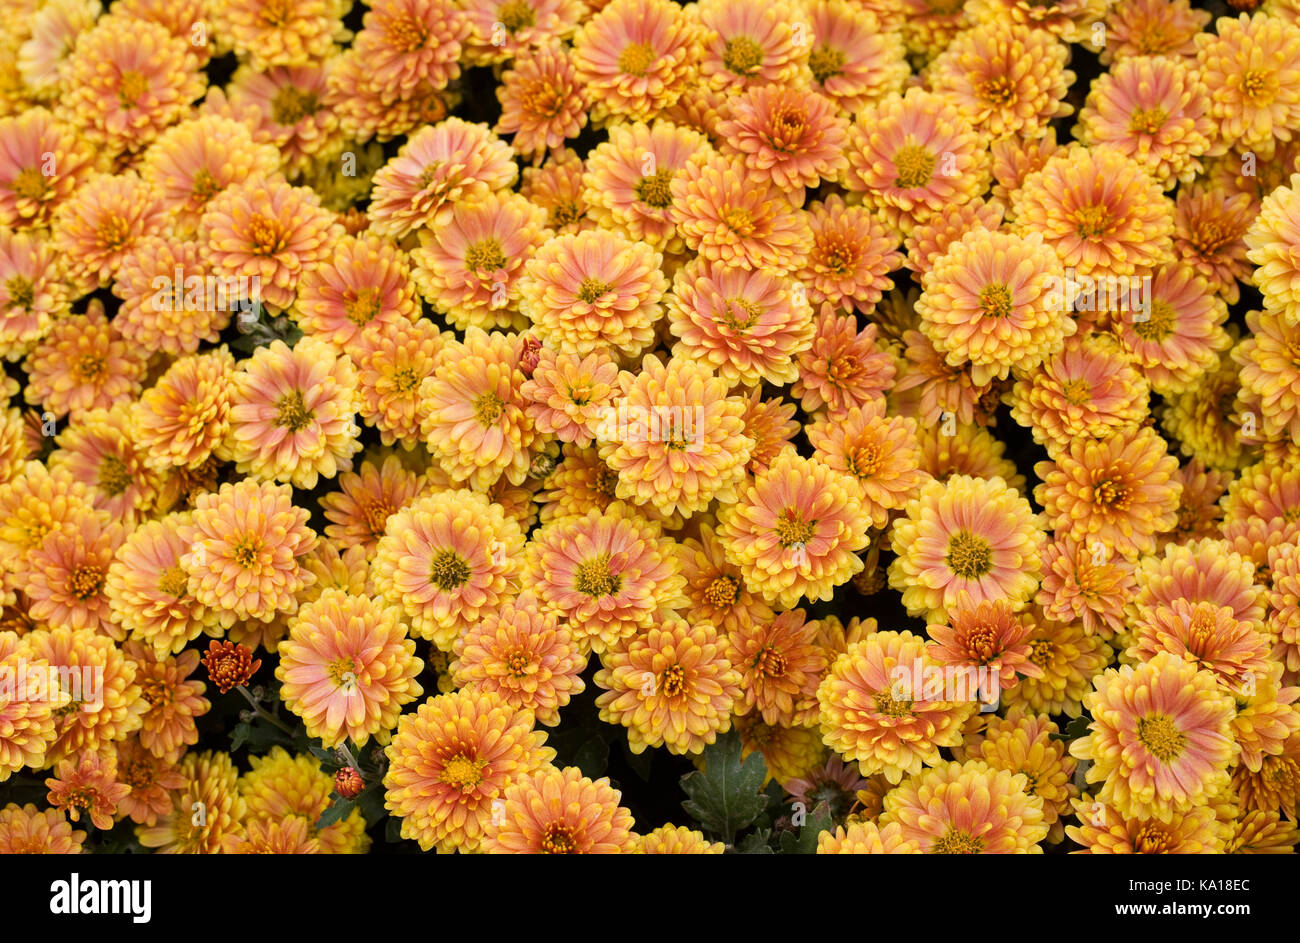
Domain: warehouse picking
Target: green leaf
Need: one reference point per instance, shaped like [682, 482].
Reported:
[239, 736]
[337, 811]
[802, 839]
[1077, 728]
[756, 843]
[726, 796]
[371, 803]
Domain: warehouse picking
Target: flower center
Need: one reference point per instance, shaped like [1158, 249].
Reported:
[752, 312]
[1161, 737]
[792, 529]
[1041, 651]
[405, 379]
[825, 62]
[407, 34]
[139, 775]
[970, 557]
[133, 85]
[264, 236]
[246, 551]
[342, 671]
[174, 582]
[889, 707]
[839, 252]
[996, 90]
[673, 681]
[86, 581]
[376, 515]
[559, 840]
[787, 129]
[290, 105]
[957, 842]
[592, 289]
[1147, 120]
[516, 15]
[114, 478]
[996, 300]
[448, 570]
[89, 367]
[607, 481]
[636, 58]
[275, 12]
[362, 306]
[1257, 86]
[742, 55]
[488, 408]
[770, 663]
[113, 232]
[914, 166]
[30, 184]
[982, 643]
[460, 772]
[292, 413]
[1159, 323]
[1151, 839]
[722, 591]
[1092, 222]
[205, 187]
[655, 190]
[1076, 392]
[739, 220]
[864, 461]
[518, 663]
[21, 292]
[543, 98]
[485, 256]
[593, 578]
[565, 213]
[1110, 493]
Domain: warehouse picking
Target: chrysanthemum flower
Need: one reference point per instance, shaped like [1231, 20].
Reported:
[168, 301]
[610, 574]
[32, 291]
[770, 423]
[27, 717]
[292, 414]
[102, 702]
[746, 326]
[1085, 582]
[102, 221]
[83, 364]
[127, 80]
[409, 43]
[521, 653]
[1029, 743]
[880, 452]
[1104, 831]
[1006, 78]
[795, 137]
[1269, 371]
[211, 783]
[1251, 65]
[998, 301]
[68, 571]
[271, 32]
[1203, 570]
[358, 512]
[752, 43]
[87, 786]
[867, 838]
[173, 702]
[988, 636]
[635, 58]
[628, 179]
[246, 541]
[968, 809]
[969, 451]
[265, 233]
[43, 163]
[347, 668]
[728, 214]
[289, 107]
[1015, 158]
[1087, 390]
[672, 685]
[559, 812]
[1260, 511]
[447, 559]
[474, 420]
[780, 665]
[1099, 209]
[502, 29]
[391, 364]
[1266, 716]
[1152, 28]
[33, 503]
[1276, 785]
[1120, 491]
[1207, 635]
[871, 713]
[365, 281]
[854, 59]
[99, 450]
[971, 534]
[714, 588]
[291, 836]
[556, 187]
[366, 110]
[184, 417]
[1262, 833]
[796, 530]
[1214, 420]
[913, 156]
[25, 830]
[844, 367]
[451, 759]
[191, 162]
[470, 267]
[148, 589]
[542, 101]
[1209, 234]
[931, 390]
[931, 238]
[1159, 740]
[437, 168]
[851, 254]
[1069, 20]
[1155, 110]
[678, 840]
[569, 395]
[151, 782]
[282, 788]
[788, 752]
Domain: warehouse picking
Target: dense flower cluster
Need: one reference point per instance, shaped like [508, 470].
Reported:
[407, 402]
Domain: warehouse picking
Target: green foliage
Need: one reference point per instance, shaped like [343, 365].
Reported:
[802, 839]
[727, 795]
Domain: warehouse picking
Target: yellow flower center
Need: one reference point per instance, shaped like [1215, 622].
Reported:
[559, 840]
[114, 477]
[460, 772]
[22, 293]
[787, 128]
[292, 413]
[742, 55]
[205, 187]
[751, 313]
[30, 184]
[174, 582]
[1257, 86]
[113, 232]
[1092, 222]
[1151, 839]
[655, 190]
[635, 59]
[770, 663]
[825, 62]
[1147, 120]
[515, 15]
[376, 514]
[275, 12]
[1041, 651]
[996, 90]
[139, 775]
[1159, 323]
[722, 591]
[488, 408]
[970, 557]
[86, 582]
[865, 460]
[1110, 493]
[430, 175]
[673, 681]
[290, 105]
[839, 251]
[995, 300]
[362, 306]
[407, 34]
[739, 220]
[982, 643]
[593, 578]
[565, 213]
[792, 529]
[448, 570]
[405, 379]
[889, 707]
[264, 236]
[132, 87]
[485, 256]
[914, 166]
[543, 98]
[518, 663]
[592, 289]
[957, 842]
[342, 671]
[1076, 392]
[1161, 737]
[246, 551]
[89, 367]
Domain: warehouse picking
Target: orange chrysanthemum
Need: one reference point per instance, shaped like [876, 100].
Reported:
[560, 812]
